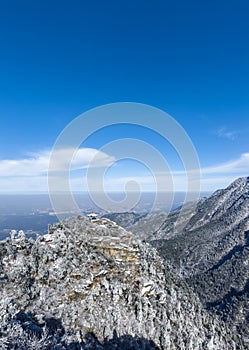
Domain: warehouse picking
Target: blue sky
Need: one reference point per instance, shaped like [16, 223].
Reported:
[61, 58]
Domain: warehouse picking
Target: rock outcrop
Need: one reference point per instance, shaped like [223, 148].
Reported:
[89, 286]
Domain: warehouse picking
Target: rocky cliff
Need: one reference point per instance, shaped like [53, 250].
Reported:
[96, 286]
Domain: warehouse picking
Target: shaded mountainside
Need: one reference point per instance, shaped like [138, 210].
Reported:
[161, 225]
[87, 286]
[125, 219]
[208, 245]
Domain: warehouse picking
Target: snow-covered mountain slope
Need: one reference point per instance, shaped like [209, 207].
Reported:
[208, 245]
[88, 286]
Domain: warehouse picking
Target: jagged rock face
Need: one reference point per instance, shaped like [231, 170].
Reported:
[91, 287]
[211, 251]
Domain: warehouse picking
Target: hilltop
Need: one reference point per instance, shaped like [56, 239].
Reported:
[86, 285]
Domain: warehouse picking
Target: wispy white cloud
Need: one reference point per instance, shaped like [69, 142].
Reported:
[37, 164]
[221, 175]
[29, 174]
[212, 177]
[227, 134]
[235, 166]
